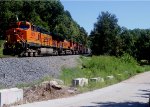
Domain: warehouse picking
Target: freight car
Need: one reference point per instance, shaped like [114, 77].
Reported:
[26, 39]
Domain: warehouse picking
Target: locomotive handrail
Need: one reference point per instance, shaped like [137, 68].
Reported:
[21, 38]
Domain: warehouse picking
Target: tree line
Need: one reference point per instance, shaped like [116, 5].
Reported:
[49, 14]
[108, 38]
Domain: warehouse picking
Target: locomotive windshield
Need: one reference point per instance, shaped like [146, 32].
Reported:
[24, 26]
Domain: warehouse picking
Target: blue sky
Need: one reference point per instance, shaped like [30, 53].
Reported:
[130, 14]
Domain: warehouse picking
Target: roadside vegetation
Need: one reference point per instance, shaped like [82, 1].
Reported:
[108, 38]
[1, 47]
[120, 68]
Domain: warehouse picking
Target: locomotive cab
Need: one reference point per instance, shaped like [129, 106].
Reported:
[16, 37]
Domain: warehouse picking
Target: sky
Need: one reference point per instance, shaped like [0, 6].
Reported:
[130, 13]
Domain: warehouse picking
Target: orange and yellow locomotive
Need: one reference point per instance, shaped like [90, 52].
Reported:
[26, 39]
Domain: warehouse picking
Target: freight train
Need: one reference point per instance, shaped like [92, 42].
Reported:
[25, 39]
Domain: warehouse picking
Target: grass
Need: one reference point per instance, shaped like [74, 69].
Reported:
[102, 66]
[1, 47]
[36, 82]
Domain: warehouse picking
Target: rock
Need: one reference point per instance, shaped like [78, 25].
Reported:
[60, 82]
[55, 85]
[51, 84]
[80, 82]
[43, 84]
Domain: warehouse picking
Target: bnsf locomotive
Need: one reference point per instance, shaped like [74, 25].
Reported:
[26, 39]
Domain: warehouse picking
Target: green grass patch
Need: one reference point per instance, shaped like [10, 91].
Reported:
[102, 66]
[1, 47]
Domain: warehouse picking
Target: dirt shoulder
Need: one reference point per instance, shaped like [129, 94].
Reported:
[133, 92]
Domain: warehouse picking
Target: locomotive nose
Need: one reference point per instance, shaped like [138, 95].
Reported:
[11, 35]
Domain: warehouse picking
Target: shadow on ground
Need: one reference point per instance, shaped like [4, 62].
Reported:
[121, 104]
[145, 93]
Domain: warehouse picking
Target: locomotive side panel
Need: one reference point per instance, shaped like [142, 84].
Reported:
[23, 38]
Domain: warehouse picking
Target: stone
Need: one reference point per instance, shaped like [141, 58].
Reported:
[48, 84]
[44, 84]
[53, 82]
[60, 82]
[55, 85]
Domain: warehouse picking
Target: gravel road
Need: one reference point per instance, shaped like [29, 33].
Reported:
[130, 93]
[25, 70]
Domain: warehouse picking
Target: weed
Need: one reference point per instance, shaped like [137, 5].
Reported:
[1, 47]
[102, 66]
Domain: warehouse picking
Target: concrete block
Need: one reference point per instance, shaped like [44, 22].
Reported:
[9, 96]
[97, 79]
[110, 77]
[94, 79]
[80, 82]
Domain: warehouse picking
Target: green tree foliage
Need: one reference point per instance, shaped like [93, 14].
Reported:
[136, 42]
[128, 41]
[104, 35]
[49, 14]
[109, 38]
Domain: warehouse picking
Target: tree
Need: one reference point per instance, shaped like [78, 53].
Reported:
[49, 14]
[104, 34]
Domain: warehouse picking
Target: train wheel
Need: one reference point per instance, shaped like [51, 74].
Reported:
[35, 54]
[21, 54]
[28, 54]
[31, 54]
[25, 54]
[56, 53]
[72, 52]
[65, 52]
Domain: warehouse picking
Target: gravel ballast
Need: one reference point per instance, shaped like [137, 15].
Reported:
[15, 71]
